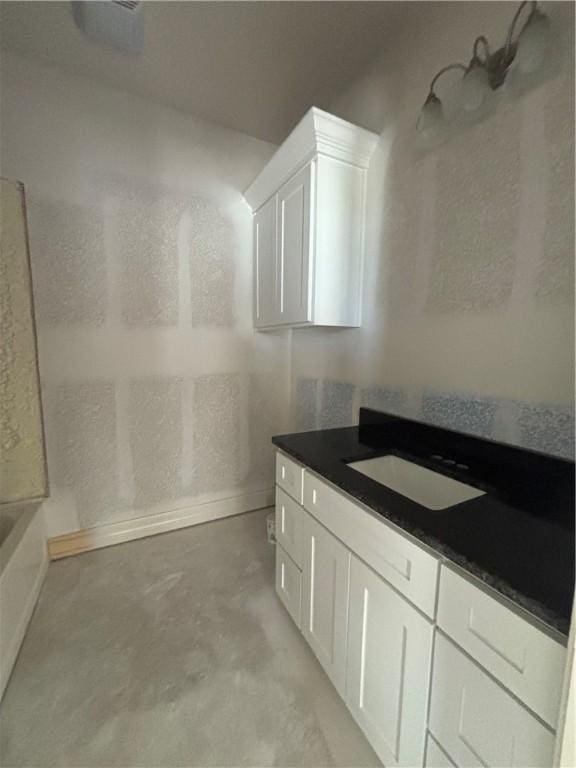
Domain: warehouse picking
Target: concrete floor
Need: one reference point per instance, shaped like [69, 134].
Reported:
[173, 651]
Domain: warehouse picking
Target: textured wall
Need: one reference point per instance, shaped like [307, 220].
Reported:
[469, 291]
[22, 463]
[158, 395]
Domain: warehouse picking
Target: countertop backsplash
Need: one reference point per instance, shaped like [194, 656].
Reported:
[545, 427]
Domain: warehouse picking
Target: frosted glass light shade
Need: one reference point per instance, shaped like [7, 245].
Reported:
[431, 117]
[533, 44]
[475, 88]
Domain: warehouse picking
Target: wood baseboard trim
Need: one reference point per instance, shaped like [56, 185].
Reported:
[138, 528]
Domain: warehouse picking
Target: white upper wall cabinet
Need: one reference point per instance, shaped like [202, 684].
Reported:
[293, 237]
[309, 206]
[265, 265]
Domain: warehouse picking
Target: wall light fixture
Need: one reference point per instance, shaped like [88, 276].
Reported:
[525, 52]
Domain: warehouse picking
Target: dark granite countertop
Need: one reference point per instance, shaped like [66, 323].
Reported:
[518, 537]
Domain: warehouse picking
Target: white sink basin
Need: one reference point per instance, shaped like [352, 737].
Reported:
[428, 488]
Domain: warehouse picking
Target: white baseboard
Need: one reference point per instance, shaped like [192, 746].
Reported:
[140, 527]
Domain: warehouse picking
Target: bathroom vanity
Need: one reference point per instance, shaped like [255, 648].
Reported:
[432, 574]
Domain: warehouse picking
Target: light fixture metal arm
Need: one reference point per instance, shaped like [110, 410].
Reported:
[484, 41]
[447, 68]
[512, 27]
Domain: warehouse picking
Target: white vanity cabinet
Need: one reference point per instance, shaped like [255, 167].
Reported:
[325, 576]
[290, 476]
[407, 566]
[309, 206]
[473, 714]
[374, 645]
[477, 722]
[474, 682]
[289, 584]
[435, 755]
[289, 535]
[521, 656]
[289, 526]
[388, 667]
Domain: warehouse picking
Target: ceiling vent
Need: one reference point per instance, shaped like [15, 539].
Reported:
[119, 23]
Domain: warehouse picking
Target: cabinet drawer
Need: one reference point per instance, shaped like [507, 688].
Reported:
[289, 476]
[405, 565]
[435, 755]
[288, 583]
[289, 525]
[520, 656]
[477, 721]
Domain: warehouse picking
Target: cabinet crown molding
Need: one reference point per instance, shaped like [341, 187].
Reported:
[317, 133]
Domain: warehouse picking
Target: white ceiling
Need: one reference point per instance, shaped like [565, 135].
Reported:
[252, 66]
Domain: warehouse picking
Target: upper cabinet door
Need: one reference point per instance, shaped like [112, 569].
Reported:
[326, 566]
[319, 223]
[294, 248]
[388, 670]
[265, 265]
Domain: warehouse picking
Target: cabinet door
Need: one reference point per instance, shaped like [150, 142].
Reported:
[477, 721]
[265, 266]
[435, 755]
[388, 671]
[325, 573]
[294, 248]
